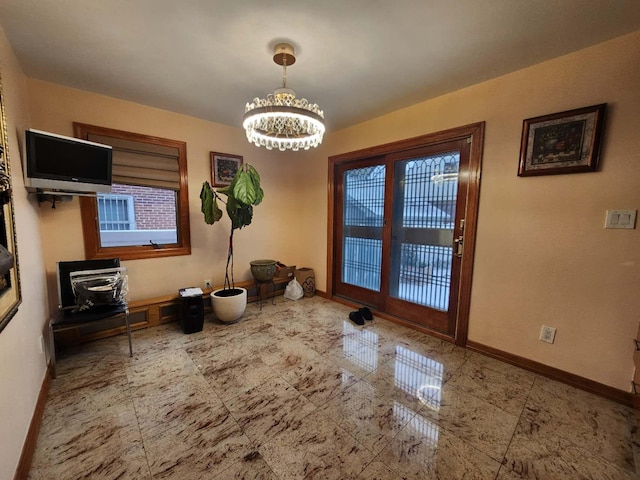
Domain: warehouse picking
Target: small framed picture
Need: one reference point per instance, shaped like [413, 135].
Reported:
[565, 142]
[223, 168]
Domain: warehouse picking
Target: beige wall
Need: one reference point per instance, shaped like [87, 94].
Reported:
[22, 362]
[271, 235]
[542, 255]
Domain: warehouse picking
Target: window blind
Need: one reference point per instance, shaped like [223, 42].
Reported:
[146, 164]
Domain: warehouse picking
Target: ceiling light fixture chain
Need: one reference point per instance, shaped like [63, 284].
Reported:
[284, 73]
[281, 120]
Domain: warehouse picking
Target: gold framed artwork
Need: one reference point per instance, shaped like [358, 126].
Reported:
[223, 168]
[565, 142]
[10, 295]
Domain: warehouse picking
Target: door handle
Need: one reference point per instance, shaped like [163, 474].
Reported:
[457, 246]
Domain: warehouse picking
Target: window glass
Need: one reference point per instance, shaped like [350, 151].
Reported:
[137, 215]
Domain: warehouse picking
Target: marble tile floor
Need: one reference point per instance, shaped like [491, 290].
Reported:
[297, 391]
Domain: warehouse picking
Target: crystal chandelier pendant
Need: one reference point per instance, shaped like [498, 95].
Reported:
[281, 121]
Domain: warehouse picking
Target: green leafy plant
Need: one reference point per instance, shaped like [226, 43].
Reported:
[239, 198]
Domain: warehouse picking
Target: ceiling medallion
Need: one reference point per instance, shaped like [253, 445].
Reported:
[282, 121]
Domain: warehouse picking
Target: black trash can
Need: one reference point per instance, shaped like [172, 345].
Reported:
[192, 318]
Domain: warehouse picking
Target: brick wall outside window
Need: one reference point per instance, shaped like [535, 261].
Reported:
[155, 208]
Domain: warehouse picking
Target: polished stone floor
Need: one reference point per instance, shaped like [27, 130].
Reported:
[297, 391]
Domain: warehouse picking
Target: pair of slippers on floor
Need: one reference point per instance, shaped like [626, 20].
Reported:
[359, 316]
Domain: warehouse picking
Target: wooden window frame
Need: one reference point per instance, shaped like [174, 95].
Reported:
[89, 205]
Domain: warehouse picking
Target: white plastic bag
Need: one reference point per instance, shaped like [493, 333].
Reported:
[293, 290]
[105, 286]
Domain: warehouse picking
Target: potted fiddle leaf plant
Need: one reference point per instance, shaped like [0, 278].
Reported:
[239, 198]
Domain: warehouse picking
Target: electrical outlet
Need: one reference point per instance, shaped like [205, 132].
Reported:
[547, 334]
[207, 283]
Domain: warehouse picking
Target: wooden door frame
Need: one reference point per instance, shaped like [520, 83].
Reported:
[474, 134]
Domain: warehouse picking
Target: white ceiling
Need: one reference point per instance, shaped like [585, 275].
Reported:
[356, 58]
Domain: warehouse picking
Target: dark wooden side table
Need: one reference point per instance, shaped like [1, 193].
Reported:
[262, 292]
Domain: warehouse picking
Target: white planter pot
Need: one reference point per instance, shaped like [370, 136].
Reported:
[229, 309]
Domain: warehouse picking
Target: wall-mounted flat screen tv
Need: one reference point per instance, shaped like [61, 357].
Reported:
[58, 163]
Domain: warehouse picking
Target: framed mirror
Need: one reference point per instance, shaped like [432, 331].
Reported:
[10, 296]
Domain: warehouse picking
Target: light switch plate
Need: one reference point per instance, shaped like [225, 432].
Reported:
[620, 219]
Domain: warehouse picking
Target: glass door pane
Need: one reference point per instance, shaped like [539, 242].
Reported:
[363, 219]
[424, 208]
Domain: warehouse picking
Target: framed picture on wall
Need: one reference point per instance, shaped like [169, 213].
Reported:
[10, 295]
[565, 142]
[223, 168]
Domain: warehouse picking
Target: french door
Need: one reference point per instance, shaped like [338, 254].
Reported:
[399, 231]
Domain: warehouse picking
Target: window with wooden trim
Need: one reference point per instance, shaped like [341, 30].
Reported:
[146, 215]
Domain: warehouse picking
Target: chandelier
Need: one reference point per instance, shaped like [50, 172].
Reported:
[282, 121]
